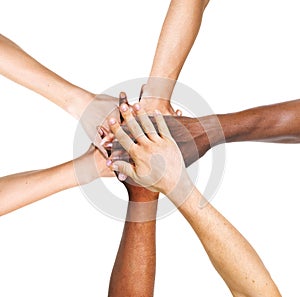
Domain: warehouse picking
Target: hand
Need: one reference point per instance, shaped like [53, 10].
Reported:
[158, 164]
[96, 115]
[189, 133]
[90, 166]
[151, 100]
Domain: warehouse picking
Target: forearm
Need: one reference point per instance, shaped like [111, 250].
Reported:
[18, 66]
[134, 269]
[230, 253]
[21, 189]
[133, 273]
[278, 123]
[177, 37]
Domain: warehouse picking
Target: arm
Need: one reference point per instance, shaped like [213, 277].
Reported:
[133, 273]
[277, 123]
[136, 257]
[92, 110]
[21, 189]
[178, 33]
[18, 66]
[159, 166]
[230, 253]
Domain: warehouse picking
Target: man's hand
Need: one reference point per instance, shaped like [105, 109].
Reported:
[158, 162]
[189, 133]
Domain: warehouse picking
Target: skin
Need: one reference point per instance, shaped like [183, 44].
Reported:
[279, 123]
[136, 257]
[156, 94]
[276, 123]
[133, 273]
[177, 36]
[20, 67]
[91, 109]
[21, 189]
[230, 253]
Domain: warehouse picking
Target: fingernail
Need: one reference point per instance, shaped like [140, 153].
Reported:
[108, 162]
[123, 95]
[122, 177]
[112, 121]
[124, 107]
[137, 107]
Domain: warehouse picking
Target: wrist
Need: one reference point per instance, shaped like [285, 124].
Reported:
[159, 88]
[179, 193]
[78, 101]
[139, 194]
[191, 206]
[209, 127]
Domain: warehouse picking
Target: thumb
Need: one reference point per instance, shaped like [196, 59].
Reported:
[124, 168]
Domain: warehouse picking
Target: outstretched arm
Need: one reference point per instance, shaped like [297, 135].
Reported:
[277, 123]
[20, 67]
[133, 274]
[159, 166]
[92, 110]
[230, 253]
[21, 189]
[178, 33]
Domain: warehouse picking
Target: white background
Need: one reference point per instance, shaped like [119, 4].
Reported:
[247, 54]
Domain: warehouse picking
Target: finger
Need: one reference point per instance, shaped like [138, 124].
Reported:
[178, 112]
[161, 125]
[98, 143]
[122, 100]
[146, 123]
[122, 177]
[141, 92]
[133, 126]
[119, 133]
[123, 167]
[100, 131]
[107, 139]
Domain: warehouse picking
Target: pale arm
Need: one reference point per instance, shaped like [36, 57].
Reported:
[20, 67]
[21, 189]
[230, 253]
[178, 33]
